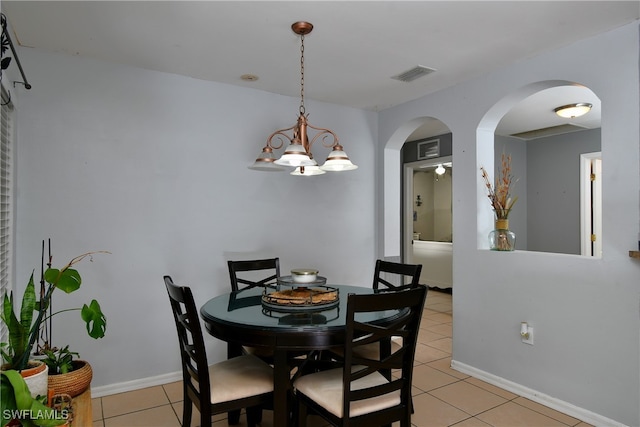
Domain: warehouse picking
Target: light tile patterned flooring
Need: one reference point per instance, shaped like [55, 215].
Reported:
[442, 396]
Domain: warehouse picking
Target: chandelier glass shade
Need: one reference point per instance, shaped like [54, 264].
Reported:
[298, 153]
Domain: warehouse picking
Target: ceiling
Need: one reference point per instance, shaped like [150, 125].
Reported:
[352, 54]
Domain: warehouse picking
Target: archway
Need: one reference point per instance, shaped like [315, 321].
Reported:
[546, 151]
[392, 179]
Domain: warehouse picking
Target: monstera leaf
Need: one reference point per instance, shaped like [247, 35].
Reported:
[96, 321]
[68, 279]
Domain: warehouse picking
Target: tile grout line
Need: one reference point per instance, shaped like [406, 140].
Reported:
[171, 403]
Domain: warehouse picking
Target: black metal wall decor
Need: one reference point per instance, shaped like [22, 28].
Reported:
[6, 45]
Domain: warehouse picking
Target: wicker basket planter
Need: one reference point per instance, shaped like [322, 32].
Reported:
[72, 383]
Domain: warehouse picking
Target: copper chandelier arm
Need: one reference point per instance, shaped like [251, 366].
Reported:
[280, 135]
[324, 134]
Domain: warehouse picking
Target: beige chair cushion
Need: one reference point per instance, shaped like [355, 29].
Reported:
[325, 388]
[240, 377]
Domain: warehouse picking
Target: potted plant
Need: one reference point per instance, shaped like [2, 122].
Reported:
[19, 407]
[24, 331]
[67, 375]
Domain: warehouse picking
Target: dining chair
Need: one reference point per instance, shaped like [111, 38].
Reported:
[358, 393]
[388, 277]
[386, 271]
[269, 267]
[241, 382]
[247, 274]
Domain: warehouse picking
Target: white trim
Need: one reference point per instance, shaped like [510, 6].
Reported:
[546, 400]
[587, 161]
[138, 384]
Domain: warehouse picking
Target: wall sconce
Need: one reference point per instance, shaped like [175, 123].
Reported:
[418, 201]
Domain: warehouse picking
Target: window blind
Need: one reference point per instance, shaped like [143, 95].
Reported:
[6, 201]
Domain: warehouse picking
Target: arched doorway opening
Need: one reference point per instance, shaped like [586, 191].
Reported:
[556, 163]
[427, 208]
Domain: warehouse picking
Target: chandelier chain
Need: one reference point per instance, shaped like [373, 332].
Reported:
[302, 110]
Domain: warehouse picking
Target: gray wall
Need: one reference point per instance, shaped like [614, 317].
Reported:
[154, 168]
[546, 217]
[553, 189]
[585, 311]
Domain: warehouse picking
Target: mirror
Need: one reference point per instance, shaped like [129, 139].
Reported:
[553, 159]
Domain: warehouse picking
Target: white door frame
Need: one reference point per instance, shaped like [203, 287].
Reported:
[591, 204]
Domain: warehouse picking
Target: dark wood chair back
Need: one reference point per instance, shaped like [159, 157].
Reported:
[399, 272]
[271, 266]
[195, 369]
[403, 329]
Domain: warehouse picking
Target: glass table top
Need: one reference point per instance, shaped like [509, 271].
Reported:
[245, 308]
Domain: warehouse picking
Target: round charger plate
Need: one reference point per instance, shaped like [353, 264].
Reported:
[294, 308]
[268, 303]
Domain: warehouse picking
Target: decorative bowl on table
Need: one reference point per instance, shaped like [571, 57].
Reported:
[304, 275]
[302, 291]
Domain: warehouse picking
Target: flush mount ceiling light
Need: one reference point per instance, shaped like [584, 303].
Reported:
[573, 110]
[298, 153]
[440, 170]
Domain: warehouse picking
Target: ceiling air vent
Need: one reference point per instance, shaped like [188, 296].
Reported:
[414, 73]
[550, 131]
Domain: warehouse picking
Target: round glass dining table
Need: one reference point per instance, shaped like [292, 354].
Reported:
[241, 319]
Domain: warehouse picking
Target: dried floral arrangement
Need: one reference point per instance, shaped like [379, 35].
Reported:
[500, 193]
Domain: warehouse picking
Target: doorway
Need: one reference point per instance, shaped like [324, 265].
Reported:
[428, 219]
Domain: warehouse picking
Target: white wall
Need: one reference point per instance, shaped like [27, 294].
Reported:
[585, 311]
[153, 168]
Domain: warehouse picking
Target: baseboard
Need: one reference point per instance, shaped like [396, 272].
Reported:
[136, 384]
[546, 400]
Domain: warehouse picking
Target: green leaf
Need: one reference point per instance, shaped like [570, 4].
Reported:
[16, 396]
[68, 280]
[18, 334]
[96, 321]
[7, 400]
[21, 392]
[28, 304]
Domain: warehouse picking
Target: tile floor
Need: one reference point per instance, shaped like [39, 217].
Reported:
[442, 396]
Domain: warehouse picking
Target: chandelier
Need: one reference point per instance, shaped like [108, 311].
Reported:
[298, 152]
